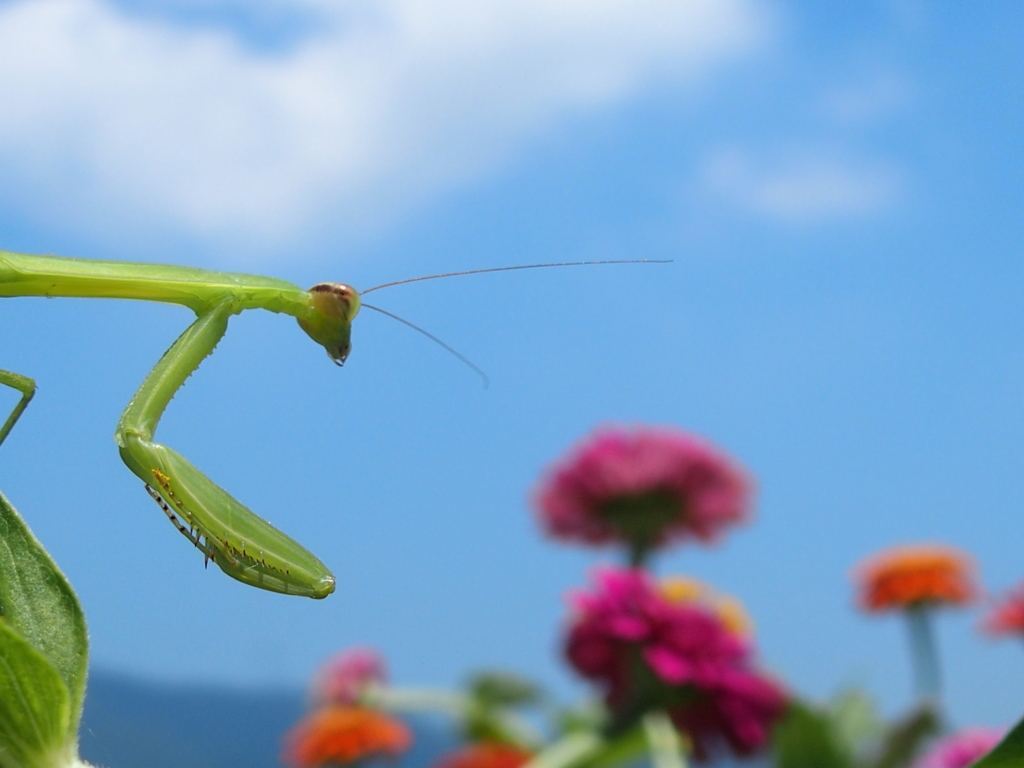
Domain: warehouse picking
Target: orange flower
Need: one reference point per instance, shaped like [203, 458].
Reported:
[485, 754]
[904, 577]
[343, 735]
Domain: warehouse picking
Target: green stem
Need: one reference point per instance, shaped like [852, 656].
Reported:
[416, 700]
[927, 676]
[509, 725]
[663, 740]
[638, 553]
[568, 751]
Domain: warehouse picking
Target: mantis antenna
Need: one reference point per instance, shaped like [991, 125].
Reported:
[521, 266]
[457, 354]
[483, 376]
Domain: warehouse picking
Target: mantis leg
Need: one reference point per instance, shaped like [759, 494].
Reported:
[27, 387]
[244, 546]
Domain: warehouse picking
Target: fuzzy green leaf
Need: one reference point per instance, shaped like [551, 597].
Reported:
[37, 602]
[35, 711]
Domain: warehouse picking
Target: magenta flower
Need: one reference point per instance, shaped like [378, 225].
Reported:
[644, 487]
[342, 680]
[962, 749]
[649, 653]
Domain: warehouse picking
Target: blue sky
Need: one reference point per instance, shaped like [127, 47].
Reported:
[840, 189]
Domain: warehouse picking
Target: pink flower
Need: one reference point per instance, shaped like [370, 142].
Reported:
[1007, 616]
[650, 653]
[962, 749]
[343, 679]
[643, 486]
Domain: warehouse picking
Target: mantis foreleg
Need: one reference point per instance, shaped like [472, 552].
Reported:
[27, 387]
[244, 546]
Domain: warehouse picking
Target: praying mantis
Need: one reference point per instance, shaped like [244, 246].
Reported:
[242, 544]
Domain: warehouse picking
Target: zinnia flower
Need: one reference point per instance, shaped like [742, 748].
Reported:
[343, 679]
[650, 653]
[644, 487]
[485, 754]
[684, 590]
[344, 735]
[962, 749]
[1007, 616]
[916, 580]
[903, 577]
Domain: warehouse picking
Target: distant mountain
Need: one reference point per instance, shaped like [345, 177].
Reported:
[130, 723]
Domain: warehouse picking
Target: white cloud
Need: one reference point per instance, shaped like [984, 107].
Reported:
[108, 118]
[802, 187]
[875, 97]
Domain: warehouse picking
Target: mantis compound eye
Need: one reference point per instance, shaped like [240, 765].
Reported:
[332, 307]
[336, 300]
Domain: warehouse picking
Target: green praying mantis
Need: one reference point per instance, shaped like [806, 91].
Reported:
[242, 544]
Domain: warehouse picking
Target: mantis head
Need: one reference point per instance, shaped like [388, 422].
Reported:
[332, 307]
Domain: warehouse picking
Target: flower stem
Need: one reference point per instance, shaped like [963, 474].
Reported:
[415, 700]
[663, 740]
[927, 676]
[511, 726]
[638, 550]
[568, 751]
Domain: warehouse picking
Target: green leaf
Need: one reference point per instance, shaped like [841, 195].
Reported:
[35, 711]
[503, 689]
[1009, 753]
[588, 716]
[37, 602]
[807, 738]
